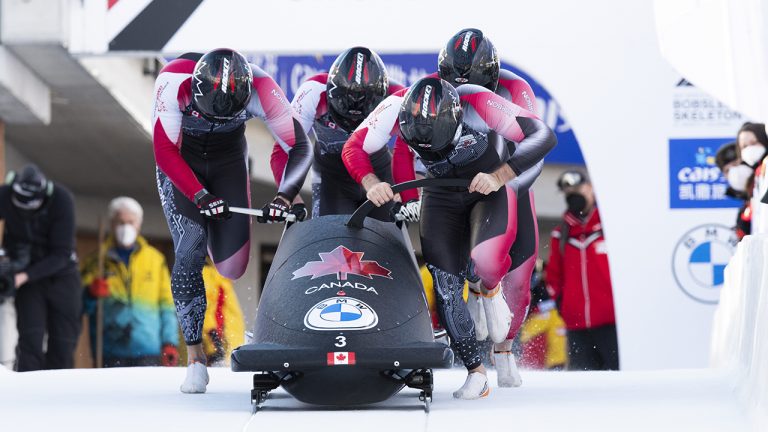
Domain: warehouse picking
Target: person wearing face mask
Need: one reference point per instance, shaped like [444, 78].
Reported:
[140, 327]
[744, 174]
[727, 159]
[752, 143]
[39, 238]
[579, 280]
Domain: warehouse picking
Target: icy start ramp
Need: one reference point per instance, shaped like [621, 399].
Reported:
[148, 399]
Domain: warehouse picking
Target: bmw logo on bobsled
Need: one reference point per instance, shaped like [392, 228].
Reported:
[342, 319]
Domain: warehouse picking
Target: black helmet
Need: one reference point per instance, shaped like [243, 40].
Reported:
[221, 85]
[29, 188]
[357, 82]
[469, 58]
[430, 118]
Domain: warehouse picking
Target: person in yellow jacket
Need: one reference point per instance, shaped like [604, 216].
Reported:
[224, 327]
[543, 334]
[139, 319]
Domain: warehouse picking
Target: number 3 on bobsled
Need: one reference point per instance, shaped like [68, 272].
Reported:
[342, 319]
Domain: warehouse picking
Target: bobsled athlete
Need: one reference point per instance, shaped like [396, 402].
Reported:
[470, 57]
[201, 105]
[454, 133]
[329, 106]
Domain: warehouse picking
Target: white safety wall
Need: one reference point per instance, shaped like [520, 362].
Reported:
[601, 61]
[739, 345]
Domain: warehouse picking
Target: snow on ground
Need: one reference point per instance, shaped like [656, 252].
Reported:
[148, 399]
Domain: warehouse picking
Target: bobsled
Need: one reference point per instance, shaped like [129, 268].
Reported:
[342, 318]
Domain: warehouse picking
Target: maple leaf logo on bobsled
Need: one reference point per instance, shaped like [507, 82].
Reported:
[342, 261]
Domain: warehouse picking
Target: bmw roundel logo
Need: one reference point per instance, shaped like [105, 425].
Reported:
[341, 313]
[699, 261]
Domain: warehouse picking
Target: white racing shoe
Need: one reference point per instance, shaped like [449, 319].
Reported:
[497, 314]
[506, 367]
[475, 387]
[475, 306]
[197, 379]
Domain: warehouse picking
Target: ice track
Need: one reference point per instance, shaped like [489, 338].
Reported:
[149, 399]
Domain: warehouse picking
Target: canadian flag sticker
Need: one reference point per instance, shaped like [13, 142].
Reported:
[341, 358]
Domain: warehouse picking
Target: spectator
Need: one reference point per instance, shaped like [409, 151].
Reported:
[39, 237]
[751, 150]
[542, 337]
[725, 159]
[224, 328]
[752, 143]
[579, 281]
[139, 317]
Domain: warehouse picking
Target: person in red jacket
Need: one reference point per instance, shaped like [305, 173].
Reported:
[579, 280]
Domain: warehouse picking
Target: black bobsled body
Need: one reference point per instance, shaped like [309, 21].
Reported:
[342, 319]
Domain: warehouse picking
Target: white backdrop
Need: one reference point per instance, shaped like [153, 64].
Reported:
[599, 59]
[719, 45]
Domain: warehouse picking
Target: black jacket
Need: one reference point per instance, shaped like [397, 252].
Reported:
[41, 243]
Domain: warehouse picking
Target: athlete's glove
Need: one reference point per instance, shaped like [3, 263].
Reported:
[409, 212]
[300, 210]
[274, 212]
[211, 206]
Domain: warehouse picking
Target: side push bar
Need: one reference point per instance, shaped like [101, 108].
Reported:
[356, 221]
[258, 213]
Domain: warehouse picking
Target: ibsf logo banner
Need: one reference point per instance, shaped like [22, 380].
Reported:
[699, 260]
[694, 179]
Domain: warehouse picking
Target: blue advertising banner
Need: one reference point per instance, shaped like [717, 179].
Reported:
[291, 71]
[694, 179]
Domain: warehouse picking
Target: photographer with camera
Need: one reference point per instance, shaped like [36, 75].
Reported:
[41, 268]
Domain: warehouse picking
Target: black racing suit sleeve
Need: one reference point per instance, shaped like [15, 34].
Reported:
[525, 180]
[299, 162]
[60, 237]
[539, 140]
